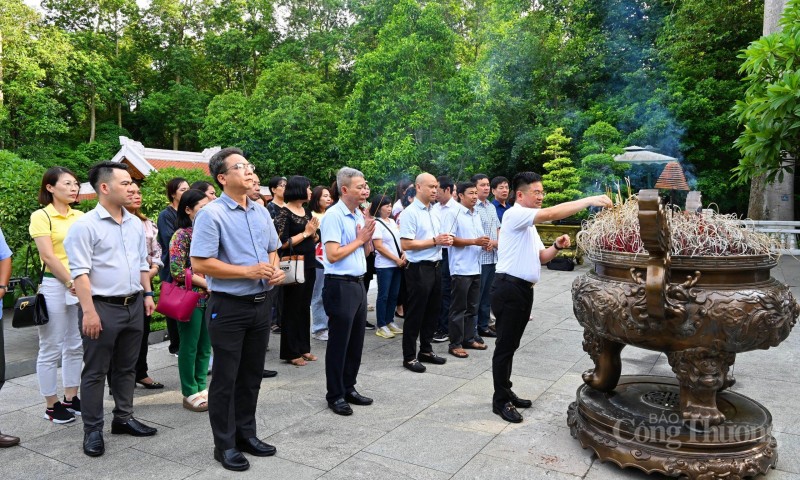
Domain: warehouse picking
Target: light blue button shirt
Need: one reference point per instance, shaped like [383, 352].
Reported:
[464, 224]
[339, 226]
[5, 252]
[418, 223]
[236, 236]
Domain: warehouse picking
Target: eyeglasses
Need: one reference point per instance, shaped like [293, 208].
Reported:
[538, 193]
[241, 165]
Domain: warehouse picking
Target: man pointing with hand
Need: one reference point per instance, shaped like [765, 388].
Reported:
[234, 245]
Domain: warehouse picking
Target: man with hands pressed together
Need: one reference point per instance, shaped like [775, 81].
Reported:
[422, 238]
[520, 257]
[234, 245]
[345, 231]
[464, 223]
[108, 262]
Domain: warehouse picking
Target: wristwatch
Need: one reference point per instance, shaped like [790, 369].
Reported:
[555, 245]
[4, 287]
[69, 283]
[305, 235]
[149, 294]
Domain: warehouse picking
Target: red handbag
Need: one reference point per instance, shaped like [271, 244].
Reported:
[176, 302]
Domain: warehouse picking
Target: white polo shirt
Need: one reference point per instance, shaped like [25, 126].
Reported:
[519, 246]
[465, 224]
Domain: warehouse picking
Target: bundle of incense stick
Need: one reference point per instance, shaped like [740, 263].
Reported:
[616, 229]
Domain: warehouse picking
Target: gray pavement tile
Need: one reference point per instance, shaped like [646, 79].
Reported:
[788, 452]
[543, 445]
[324, 440]
[28, 426]
[530, 363]
[776, 397]
[279, 408]
[390, 409]
[16, 397]
[431, 444]
[23, 464]
[366, 466]
[129, 463]
[429, 385]
[557, 344]
[193, 449]
[261, 468]
[566, 385]
[549, 408]
[485, 467]
[467, 410]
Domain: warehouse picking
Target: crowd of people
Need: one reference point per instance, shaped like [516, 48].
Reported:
[447, 260]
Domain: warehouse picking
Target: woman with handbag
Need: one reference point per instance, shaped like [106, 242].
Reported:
[297, 230]
[319, 203]
[195, 348]
[389, 262]
[60, 338]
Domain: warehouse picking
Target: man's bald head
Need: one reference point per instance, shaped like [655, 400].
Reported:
[427, 187]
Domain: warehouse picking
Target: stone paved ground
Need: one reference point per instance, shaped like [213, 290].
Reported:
[437, 425]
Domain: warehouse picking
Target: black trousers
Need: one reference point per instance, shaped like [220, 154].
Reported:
[444, 311]
[424, 286]
[141, 363]
[345, 304]
[296, 323]
[174, 335]
[511, 302]
[238, 331]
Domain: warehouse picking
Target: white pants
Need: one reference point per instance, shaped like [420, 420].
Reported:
[59, 338]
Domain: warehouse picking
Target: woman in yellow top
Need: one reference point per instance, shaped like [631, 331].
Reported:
[60, 337]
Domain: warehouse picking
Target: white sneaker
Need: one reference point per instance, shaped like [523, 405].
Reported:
[321, 336]
[384, 332]
[395, 328]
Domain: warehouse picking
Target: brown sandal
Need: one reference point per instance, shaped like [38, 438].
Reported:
[309, 357]
[475, 346]
[458, 352]
[298, 362]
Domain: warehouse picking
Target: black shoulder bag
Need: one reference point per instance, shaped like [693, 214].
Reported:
[31, 310]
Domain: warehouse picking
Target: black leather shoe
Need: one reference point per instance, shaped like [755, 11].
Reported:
[356, 398]
[341, 407]
[487, 333]
[231, 459]
[414, 366]
[508, 412]
[93, 444]
[134, 428]
[256, 447]
[269, 373]
[431, 358]
[520, 402]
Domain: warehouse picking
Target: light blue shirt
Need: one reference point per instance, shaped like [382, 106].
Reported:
[418, 223]
[440, 211]
[112, 254]
[5, 252]
[236, 236]
[339, 226]
[464, 224]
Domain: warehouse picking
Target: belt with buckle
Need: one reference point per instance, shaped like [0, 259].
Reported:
[123, 301]
[513, 279]
[257, 298]
[428, 263]
[345, 278]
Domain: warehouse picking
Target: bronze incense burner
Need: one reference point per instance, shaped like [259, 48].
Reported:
[699, 311]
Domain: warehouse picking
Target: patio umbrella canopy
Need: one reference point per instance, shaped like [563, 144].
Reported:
[634, 154]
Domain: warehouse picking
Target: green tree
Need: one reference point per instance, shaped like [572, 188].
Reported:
[561, 180]
[598, 169]
[154, 187]
[770, 110]
[19, 189]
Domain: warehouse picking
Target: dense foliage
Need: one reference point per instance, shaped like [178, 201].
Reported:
[393, 87]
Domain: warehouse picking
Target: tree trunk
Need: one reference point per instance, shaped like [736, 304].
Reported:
[93, 118]
[175, 139]
[119, 115]
[774, 201]
[2, 142]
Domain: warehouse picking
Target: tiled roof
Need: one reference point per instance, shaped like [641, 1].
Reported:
[161, 164]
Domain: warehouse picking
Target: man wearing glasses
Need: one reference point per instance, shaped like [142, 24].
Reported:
[234, 244]
[520, 257]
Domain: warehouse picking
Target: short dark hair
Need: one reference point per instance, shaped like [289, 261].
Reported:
[402, 186]
[316, 195]
[101, 172]
[275, 181]
[216, 165]
[464, 186]
[189, 200]
[334, 191]
[296, 188]
[51, 177]
[523, 179]
[410, 192]
[499, 180]
[173, 185]
[201, 185]
[478, 177]
[377, 203]
[445, 183]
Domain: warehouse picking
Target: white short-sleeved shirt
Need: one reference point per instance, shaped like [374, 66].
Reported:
[390, 236]
[397, 209]
[418, 223]
[466, 224]
[519, 246]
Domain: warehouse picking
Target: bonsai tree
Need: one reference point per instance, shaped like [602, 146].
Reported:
[598, 169]
[561, 182]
